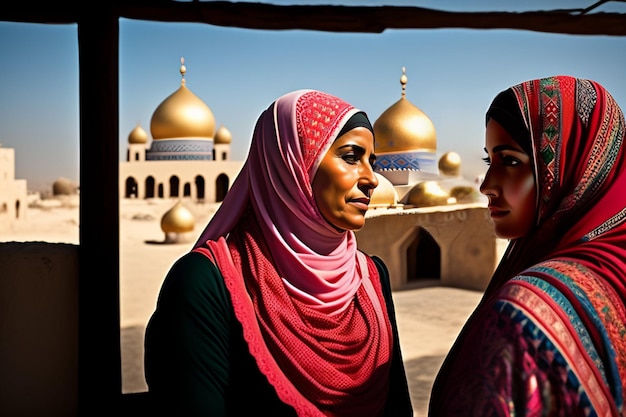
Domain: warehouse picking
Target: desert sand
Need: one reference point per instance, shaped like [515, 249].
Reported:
[429, 316]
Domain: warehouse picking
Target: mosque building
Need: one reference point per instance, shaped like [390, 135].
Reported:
[425, 220]
[187, 157]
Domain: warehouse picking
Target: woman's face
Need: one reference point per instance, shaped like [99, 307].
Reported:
[345, 179]
[509, 184]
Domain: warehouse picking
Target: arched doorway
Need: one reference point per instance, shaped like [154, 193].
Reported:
[150, 184]
[130, 189]
[200, 188]
[423, 258]
[221, 187]
[174, 184]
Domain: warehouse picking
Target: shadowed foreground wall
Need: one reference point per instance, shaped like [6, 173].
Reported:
[38, 329]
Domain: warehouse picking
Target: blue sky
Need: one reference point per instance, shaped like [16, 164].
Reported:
[452, 76]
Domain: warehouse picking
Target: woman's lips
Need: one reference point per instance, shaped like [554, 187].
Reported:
[497, 213]
[361, 203]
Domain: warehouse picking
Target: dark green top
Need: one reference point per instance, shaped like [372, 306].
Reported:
[198, 363]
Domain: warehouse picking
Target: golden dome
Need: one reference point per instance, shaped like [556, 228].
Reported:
[178, 219]
[427, 194]
[64, 186]
[465, 194]
[403, 127]
[138, 135]
[450, 164]
[223, 135]
[182, 114]
[385, 194]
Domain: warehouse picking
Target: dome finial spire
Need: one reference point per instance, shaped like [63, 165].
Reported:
[183, 69]
[403, 80]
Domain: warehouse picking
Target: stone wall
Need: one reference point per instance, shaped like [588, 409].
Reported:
[463, 234]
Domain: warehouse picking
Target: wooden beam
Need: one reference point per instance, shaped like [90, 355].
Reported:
[330, 18]
[99, 351]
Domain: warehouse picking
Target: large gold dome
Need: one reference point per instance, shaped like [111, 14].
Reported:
[403, 127]
[182, 115]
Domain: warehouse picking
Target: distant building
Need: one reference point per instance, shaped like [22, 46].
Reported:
[13, 193]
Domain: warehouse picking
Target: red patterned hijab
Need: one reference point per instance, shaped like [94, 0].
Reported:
[576, 133]
[309, 302]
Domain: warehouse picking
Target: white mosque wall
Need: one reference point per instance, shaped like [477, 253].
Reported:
[221, 151]
[136, 152]
[206, 181]
[409, 178]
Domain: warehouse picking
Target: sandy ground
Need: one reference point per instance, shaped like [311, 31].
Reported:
[429, 316]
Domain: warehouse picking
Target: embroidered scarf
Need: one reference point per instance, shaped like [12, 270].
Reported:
[577, 134]
[547, 338]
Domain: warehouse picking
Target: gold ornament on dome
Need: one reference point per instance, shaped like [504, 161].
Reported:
[182, 114]
[450, 164]
[178, 219]
[428, 194]
[138, 135]
[403, 127]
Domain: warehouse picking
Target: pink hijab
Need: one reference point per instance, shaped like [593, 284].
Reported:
[310, 304]
[316, 262]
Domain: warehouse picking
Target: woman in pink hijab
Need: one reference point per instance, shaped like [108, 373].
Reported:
[275, 311]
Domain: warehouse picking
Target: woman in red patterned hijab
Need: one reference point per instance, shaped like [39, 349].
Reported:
[549, 335]
[275, 311]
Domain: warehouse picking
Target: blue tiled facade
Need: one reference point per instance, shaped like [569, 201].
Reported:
[407, 161]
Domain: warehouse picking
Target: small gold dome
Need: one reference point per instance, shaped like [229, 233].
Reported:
[465, 194]
[428, 194]
[403, 127]
[182, 114]
[450, 164]
[138, 135]
[385, 194]
[64, 186]
[223, 135]
[178, 219]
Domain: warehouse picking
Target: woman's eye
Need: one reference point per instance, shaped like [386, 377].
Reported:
[510, 160]
[502, 160]
[351, 157]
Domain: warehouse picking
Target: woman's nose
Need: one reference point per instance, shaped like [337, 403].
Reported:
[368, 181]
[487, 186]
[371, 176]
